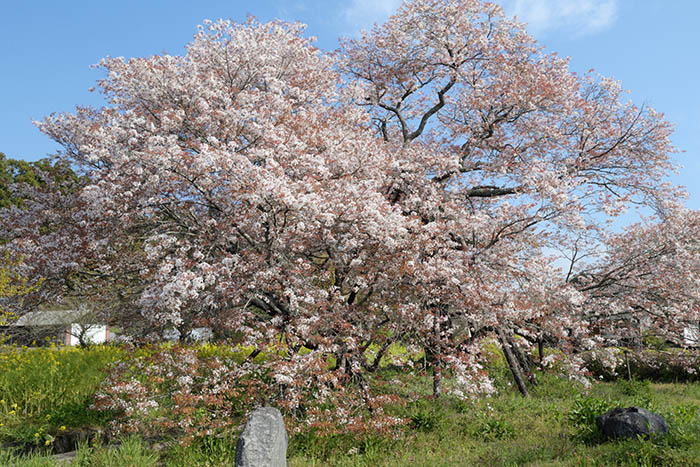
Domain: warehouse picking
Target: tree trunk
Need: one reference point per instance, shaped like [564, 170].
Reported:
[341, 361]
[379, 355]
[437, 370]
[523, 362]
[513, 364]
[437, 379]
[540, 351]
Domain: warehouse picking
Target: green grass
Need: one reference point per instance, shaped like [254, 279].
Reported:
[511, 430]
[508, 430]
[128, 452]
[46, 391]
[554, 427]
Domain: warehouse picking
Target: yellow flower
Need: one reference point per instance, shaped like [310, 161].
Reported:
[12, 412]
[63, 428]
[47, 442]
[36, 435]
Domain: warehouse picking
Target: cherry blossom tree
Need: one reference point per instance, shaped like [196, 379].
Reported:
[235, 187]
[647, 281]
[503, 152]
[404, 190]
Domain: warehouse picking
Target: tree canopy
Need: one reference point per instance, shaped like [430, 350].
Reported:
[406, 189]
[16, 174]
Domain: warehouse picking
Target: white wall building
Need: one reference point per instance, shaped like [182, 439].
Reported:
[69, 326]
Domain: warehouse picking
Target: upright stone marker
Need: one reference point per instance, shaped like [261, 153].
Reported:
[263, 442]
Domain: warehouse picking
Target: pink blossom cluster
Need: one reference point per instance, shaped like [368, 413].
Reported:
[173, 391]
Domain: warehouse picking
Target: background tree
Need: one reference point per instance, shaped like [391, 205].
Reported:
[18, 179]
[16, 174]
[13, 286]
[646, 283]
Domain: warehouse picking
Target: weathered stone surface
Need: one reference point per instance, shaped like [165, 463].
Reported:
[630, 423]
[263, 442]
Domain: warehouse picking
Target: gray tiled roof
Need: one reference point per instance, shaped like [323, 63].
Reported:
[49, 318]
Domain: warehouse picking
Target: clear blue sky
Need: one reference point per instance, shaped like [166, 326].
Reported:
[47, 47]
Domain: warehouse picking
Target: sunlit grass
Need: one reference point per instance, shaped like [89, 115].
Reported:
[45, 390]
[48, 391]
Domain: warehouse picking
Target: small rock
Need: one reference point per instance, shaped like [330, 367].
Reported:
[630, 423]
[263, 442]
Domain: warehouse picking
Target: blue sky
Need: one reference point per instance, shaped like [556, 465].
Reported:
[47, 47]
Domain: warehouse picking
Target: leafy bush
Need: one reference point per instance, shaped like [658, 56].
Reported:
[491, 428]
[426, 415]
[173, 390]
[582, 416]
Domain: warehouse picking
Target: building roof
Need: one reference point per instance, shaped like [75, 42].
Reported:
[50, 318]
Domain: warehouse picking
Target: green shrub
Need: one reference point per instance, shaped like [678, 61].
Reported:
[426, 415]
[491, 428]
[582, 416]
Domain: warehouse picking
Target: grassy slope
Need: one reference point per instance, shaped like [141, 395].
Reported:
[510, 430]
[553, 427]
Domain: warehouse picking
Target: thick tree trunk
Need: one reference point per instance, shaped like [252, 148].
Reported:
[513, 364]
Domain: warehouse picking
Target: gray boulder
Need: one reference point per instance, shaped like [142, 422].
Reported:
[630, 423]
[263, 442]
